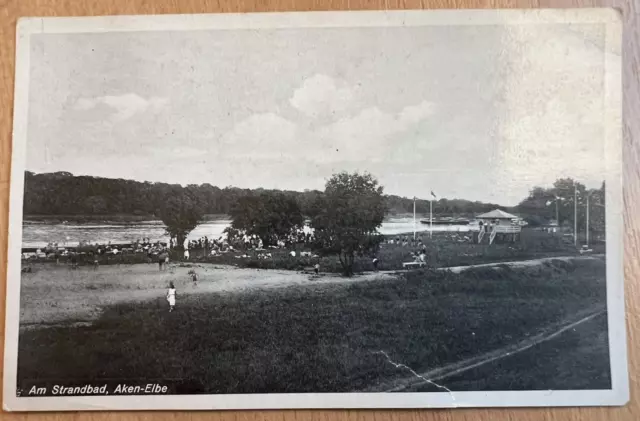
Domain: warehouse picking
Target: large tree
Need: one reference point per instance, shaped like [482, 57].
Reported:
[181, 213]
[347, 216]
[271, 216]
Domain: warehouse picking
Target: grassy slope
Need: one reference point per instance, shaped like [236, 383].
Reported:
[319, 338]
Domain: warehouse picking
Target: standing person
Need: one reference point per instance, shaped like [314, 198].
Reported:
[186, 250]
[194, 277]
[94, 256]
[171, 296]
[161, 260]
[316, 268]
[375, 263]
[74, 261]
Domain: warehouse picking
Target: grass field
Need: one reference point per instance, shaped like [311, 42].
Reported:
[328, 337]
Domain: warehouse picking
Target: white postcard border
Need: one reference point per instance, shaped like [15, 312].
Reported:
[618, 395]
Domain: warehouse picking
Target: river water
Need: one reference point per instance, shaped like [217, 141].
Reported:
[36, 234]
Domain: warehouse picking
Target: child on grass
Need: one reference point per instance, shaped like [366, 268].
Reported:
[171, 296]
[194, 277]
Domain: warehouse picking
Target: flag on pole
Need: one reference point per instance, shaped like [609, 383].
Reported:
[431, 214]
[414, 217]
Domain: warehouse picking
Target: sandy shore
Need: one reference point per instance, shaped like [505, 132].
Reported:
[55, 294]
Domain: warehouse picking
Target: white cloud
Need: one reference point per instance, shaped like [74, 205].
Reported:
[85, 104]
[320, 95]
[415, 113]
[260, 136]
[368, 136]
[123, 106]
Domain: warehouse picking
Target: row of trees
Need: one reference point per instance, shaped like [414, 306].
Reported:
[345, 217]
[445, 207]
[62, 193]
[561, 201]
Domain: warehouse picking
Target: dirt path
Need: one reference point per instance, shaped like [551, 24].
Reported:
[525, 263]
[437, 375]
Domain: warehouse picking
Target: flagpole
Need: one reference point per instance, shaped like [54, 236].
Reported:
[431, 218]
[575, 214]
[414, 217]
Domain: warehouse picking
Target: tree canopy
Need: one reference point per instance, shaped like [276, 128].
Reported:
[181, 213]
[63, 194]
[271, 216]
[347, 216]
[558, 202]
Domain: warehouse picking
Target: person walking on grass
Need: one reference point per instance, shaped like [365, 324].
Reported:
[194, 277]
[375, 263]
[171, 296]
[316, 268]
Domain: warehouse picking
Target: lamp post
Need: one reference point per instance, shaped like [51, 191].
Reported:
[588, 212]
[587, 233]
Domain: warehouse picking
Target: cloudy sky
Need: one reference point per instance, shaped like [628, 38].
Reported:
[474, 112]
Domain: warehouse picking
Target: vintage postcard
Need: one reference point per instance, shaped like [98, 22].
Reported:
[407, 209]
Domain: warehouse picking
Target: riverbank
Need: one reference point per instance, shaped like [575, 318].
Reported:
[106, 219]
[39, 233]
[442, 249]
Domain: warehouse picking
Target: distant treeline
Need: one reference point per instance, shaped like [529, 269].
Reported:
[63, 194]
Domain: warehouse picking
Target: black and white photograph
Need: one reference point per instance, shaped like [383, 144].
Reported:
[404, 209]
